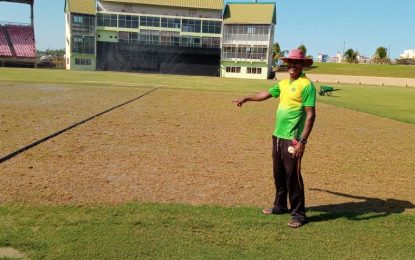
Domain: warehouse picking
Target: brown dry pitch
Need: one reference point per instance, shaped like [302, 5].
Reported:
[196, 147]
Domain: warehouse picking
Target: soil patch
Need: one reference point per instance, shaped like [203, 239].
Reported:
[31, 112]
[10, 252]
[196, 147]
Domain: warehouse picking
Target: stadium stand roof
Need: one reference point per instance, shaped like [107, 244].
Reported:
[255, 13]
[80, 6]
[19, 1]
[197, 4]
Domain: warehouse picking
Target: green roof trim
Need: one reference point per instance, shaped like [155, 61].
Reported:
[250, 13]
[196, 4]
[80, 6]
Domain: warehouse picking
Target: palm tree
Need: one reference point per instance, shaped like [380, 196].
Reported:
[303, 48]
[277, 53]
[351, 56]
[381, 55]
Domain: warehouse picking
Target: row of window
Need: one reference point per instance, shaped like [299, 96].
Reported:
[248, 70]
[246, 49]
[254, 70]
[83, 44]
[233, 69]
[81, 61]
[247, 29]
[135, 21]
[86, 23]
[245, 52]
[167, 38]
[83, 24]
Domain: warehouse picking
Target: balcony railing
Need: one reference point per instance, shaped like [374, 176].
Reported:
[245, 38]
[244, 56]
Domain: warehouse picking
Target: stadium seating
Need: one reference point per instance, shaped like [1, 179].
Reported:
[22, 38]
[4, 46]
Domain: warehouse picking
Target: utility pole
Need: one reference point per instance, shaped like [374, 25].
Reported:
[389, 51]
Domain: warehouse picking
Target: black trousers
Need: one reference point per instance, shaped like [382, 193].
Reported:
[288, 180]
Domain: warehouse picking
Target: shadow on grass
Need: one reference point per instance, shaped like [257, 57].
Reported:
[368, 208]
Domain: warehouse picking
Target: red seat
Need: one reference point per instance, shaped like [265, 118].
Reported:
[22, 38]
[4, 46]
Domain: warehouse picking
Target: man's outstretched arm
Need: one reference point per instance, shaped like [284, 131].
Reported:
[260, 96]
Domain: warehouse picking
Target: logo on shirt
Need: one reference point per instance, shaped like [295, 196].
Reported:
[292, 89]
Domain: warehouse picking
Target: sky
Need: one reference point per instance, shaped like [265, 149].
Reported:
[323, 26]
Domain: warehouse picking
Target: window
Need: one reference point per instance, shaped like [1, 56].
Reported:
[86, 62]
[83, 44]
[169, 38]
[77, 19]
[229, 52]
[191, 25]
[150, 21]
[233, 69]
[259, 53]
[123, 36]
[210, 42]
[170, 22]
[83, 24]
[132, 37]
[128, 37]
[127, 21]
[190, 41]
[176, 41]
[211, 27]
[108, 20]
[246, 32]
[245, 52]
[149, 37]
[251, 30]
[254, 70]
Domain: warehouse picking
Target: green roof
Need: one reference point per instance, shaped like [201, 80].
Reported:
[196, 4]
[80, 6]
[250, 13]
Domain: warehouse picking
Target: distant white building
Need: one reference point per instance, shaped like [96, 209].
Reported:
[363, 59]
[339, 58]
[408, 54]
[323, 58]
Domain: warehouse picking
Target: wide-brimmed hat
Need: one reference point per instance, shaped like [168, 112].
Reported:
[297, 54]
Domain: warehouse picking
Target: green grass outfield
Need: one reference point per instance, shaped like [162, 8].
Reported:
[391, 102]
[398, 71]
[136, 231]
[154, 231]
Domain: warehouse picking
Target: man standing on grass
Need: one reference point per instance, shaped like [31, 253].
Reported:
[295, 120]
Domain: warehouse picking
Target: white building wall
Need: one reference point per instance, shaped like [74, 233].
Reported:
[68, 40]
[243, 74]
[408, 54]
[270, 53]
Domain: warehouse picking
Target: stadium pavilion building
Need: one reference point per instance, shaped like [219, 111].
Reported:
[169, 36]
[248, 36]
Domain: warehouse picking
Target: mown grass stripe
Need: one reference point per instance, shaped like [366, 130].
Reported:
[27, 147]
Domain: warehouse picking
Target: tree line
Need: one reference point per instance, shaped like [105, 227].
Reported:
[51, 52]
[380, 56]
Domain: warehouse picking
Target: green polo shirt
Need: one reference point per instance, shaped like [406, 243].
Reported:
[294, 96]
